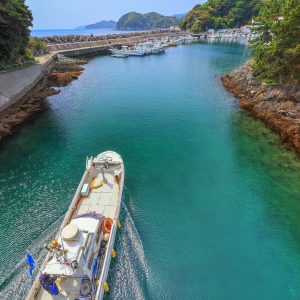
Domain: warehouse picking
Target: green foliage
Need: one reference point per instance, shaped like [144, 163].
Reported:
[15, 20]
[37, 47]
[136, 21]
[218, 14]
[277, 49]
[28, 55]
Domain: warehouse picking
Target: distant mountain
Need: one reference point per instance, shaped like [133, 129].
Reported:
[102, 24]
[80, 27]
[137, 21]
[179, 16]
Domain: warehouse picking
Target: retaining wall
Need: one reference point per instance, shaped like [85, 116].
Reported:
[16, 84]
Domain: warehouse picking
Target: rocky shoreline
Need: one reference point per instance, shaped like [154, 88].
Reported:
[277, 106]
[62, 72]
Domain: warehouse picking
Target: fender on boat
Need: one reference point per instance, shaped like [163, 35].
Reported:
[107, 225]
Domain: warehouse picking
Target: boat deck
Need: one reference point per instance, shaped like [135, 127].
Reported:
[104, 200]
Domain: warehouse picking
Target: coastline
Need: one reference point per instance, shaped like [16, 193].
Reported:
[23, 91]
[59, 73]
[277, 106]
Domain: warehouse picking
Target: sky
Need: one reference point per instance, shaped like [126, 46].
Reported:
[65, 14]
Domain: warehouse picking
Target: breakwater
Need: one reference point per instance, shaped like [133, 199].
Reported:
[21, 91]
[103, 42]
[73, 38]
[14, 85]
[277, 106]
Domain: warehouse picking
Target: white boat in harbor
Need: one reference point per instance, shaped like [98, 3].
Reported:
[77, 264]
[127, 52]
[119, 56]
[151, 48]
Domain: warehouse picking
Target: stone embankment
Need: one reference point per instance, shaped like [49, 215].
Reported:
[103, 42]
[14, 85]
[75, 38]
[277, 106]
[60, 72]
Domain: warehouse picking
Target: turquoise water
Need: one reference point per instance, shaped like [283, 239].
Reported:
[212, 197]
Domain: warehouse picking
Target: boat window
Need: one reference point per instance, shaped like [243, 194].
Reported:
[87, 244]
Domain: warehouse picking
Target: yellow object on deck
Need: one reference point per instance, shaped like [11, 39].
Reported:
[119, 224]
[54, 244]
[113, 253]
[97, 183]
[106, 287]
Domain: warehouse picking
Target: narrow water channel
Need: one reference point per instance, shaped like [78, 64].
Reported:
[213, 199]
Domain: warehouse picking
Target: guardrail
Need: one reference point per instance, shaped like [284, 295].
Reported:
[7, 68]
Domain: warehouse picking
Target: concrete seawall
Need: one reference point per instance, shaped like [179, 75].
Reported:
[15, 85]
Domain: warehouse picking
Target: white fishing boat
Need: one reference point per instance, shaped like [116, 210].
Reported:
[151, 48]
[126, 51]
[119, 56]
[77, 264]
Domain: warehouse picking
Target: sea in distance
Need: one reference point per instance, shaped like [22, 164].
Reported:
[211, 204]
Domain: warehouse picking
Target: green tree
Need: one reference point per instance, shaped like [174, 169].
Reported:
[137, 21]
[277, 48]
[15, 20]
[218, 14]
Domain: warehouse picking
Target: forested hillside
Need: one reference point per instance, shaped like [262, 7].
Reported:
[15, 20]
[102, 24]
[217, 14]
[136, 21]
[277, 48]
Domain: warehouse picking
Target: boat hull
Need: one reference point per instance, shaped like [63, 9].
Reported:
[128, 53]
[105, 200]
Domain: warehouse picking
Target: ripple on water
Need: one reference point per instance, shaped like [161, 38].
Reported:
[214, 205]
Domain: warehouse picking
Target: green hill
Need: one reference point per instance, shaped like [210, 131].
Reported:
[218, 14]
[136, 21]
[102, 24]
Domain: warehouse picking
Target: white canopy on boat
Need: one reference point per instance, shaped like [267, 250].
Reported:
[72, 248]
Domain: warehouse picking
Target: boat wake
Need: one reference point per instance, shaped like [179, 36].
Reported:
[129, 270]
[17, 283]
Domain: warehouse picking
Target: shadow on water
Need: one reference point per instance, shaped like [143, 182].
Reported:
[274, 171]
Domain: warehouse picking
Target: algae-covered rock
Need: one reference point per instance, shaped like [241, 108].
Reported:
[278, 106]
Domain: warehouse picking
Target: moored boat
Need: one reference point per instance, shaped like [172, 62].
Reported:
[151, 48]
[172, 44]
[119, 55]
[126, 51]
[77, 264]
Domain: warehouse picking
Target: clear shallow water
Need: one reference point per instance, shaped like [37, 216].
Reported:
[213, 198]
